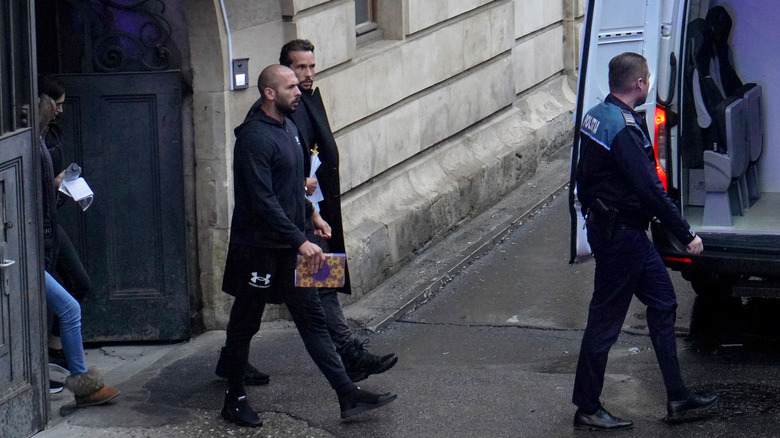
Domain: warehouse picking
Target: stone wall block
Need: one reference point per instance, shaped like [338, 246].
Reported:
[357, 148]
[548, 44]
[418, 59]
[216, 304]
[207, 78]
[476, 37]
[402, 136]
[332, 30]
[244, 14]
[385, 74]
[261, 45]
[346, 95]
[448, 57]
[501, 28]
[367, 247]
[551, 44]
[524, 70]
[532, 15]
[211, 184]
[435, 116]
[209, 120]
[426, 13]
[481, 93]
[292, 7]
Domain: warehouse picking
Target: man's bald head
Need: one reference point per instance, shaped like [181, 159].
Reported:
[271, 77]
[279, 91]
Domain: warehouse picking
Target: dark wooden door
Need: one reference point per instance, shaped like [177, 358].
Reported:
[125, 131]
[23, 408]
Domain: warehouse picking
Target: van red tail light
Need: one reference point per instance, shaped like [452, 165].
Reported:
[660, 143]
[678, 259]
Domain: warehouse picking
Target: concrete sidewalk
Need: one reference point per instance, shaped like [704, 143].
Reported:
[170, 390]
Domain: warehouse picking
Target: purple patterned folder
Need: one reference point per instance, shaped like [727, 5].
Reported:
[330, 275]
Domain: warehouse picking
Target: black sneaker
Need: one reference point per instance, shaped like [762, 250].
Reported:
[360, 401]
[57, 360]
[360, 364]
[55, 387]
[237, 410]
[252, 376]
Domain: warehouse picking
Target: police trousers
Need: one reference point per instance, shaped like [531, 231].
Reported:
[627, 264]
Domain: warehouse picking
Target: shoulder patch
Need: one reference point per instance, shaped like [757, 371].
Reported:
[591, 123]
[629, 118]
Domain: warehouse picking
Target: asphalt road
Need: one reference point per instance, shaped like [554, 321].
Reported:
[491, 354]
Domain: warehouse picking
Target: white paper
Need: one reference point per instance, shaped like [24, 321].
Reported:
[317, 195]
[77, 189]
[240, 80]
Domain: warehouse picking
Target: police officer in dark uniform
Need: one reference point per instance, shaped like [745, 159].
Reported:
[620, 193]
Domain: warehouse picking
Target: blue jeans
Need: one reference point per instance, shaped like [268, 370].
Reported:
[67, 309]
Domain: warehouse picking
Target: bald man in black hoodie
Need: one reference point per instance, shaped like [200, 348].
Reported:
[267, 234]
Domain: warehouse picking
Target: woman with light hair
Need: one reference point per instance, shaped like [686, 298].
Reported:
[86, 384]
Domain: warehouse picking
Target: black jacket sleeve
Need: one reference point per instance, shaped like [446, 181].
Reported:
[253, 160]
[634, 165]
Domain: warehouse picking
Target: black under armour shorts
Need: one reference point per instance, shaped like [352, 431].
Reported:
[266, 271]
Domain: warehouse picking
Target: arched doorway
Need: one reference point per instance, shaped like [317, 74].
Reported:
[121, 62]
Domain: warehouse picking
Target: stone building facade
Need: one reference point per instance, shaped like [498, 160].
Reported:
[440, 111]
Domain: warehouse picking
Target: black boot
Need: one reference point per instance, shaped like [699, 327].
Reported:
[360, 401]
[237, 410]
[360, 364]
[252, 376]
[677, 409]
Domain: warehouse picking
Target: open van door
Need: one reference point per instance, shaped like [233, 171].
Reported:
[611, 28]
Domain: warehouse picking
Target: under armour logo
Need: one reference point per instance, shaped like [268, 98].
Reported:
[258, 281]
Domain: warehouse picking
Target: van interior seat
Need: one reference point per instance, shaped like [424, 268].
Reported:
[720, 24]
[724, 122]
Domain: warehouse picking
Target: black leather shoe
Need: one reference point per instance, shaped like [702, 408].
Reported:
[678, 408]
[252, 376]
[237, 410]
[601, 420]
[361, 401]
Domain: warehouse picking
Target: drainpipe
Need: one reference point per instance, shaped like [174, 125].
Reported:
[229, 42]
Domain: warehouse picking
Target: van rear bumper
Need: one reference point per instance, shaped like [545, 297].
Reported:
[724, 254]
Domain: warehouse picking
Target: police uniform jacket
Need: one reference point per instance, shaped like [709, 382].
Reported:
[617, 165]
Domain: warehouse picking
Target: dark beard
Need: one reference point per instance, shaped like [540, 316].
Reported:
[284, 109]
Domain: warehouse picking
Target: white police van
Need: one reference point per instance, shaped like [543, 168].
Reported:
[710, 110]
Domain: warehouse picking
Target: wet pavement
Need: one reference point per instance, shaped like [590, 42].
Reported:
[491, 354]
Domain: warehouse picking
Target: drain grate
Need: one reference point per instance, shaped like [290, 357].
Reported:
[742, 399]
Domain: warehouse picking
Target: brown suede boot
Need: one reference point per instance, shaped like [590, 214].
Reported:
[89, 389]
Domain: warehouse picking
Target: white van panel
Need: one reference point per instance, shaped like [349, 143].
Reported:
[621, 26]
[616, 26]
[755, 38]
